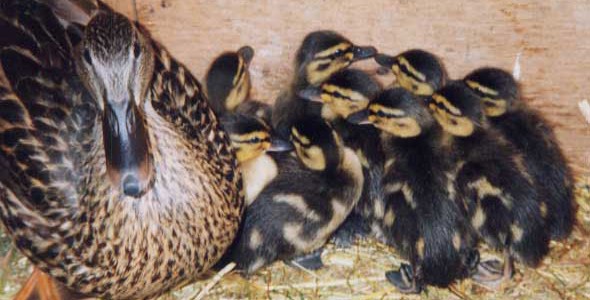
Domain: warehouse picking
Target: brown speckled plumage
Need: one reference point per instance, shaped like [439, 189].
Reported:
[56, 199]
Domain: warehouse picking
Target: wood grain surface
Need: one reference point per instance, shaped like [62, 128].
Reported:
[549, 40]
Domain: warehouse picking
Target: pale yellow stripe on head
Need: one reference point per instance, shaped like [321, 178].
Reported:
[352, 94]
[333, 49]
[402, 60]
[484, 89]
[450, 107]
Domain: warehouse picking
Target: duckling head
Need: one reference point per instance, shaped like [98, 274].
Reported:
[396, 111]
[497, 89]
[228, 79]
[416, 70]
[457, 109]
[317, 145]
[346, 92]
[115, 61]
[324, 53]
[251, 137]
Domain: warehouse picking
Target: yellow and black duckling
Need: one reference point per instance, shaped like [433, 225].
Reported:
[491, 184]
[416, 70]
[421, 218]
[343, 94]
[531, 134]
[118, 180]
[252, 139]
[321, 54]
[298, 211]
[228, 85]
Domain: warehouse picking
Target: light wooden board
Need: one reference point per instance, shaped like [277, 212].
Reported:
[551, 39]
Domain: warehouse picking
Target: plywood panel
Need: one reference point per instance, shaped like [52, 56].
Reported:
[551, 39]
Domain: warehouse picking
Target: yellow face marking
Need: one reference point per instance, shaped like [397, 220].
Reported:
[394, 121]
[315, 76]
[250, 145]
[458, 126]
[447, 104]
[411, 84]
[483, 89]
[300, 138]
[312, 157]
[239, 92]
[376, 108]
[403, 61]
[494, 107]
[240, 69]
[342, 47]
[420, 247]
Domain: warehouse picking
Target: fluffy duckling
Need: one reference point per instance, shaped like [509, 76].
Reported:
[228, 85]
[491, 184]
[531, 134]
[421, 219]
[252, 139]
[345, 93]
[321, 54]
[416, 70]
[296, 212]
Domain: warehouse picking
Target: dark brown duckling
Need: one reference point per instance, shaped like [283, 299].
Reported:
[532, 135]
[297, 212]
[229, 85]
[343, 94]
[321, 54]
[491, 184]
[421, 219]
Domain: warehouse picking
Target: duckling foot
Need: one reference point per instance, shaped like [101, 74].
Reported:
[491, 273]
[311, 261]
[404, 280]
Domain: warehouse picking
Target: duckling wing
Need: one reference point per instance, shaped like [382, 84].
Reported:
[47, 119]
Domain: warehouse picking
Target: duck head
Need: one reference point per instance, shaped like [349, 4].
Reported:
[228, 79]
[324, 53]
[397, 112]
[317, 145]
[417, 71]
[344, 93]
[497, 89]
[115, 62]
[457, 109]
[251, 137]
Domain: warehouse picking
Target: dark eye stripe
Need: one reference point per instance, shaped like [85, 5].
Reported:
[406, 71]
[383, 114]
[334, 55]
[338, 95]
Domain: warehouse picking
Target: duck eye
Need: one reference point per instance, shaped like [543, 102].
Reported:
[338, 52]
[255, 140]
[380, 114]
[87, 57]
[136, 50]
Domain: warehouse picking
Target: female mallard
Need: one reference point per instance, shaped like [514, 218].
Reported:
[118, 180]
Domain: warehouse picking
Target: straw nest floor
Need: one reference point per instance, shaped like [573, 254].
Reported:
[358, 273]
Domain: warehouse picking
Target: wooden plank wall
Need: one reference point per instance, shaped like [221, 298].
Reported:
[550, 38]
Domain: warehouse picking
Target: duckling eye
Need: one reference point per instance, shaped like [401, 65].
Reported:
[381, 114]
[136, 50]
[255, 140]
[338, 52]
[87, 57]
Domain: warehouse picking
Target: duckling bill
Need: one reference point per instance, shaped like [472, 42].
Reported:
[420, 218]
[296, 213]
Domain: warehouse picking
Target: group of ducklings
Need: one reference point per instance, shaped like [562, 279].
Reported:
[430, 166]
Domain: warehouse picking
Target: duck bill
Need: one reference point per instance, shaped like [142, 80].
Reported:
[126, 146]
[385, 60]
[363, 52]
[279, 145]
[359, 117]
[247, 53]
[311, 93]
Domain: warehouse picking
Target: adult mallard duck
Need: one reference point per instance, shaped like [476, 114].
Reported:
[117, 179]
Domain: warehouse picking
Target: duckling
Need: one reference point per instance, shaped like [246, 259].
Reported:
[531, 134]
[343, 94]
[296, 213]
[253, 140]
[228, 85]
[421, 219]
[493, 190]
[321, 54]
[416, 70]
[117, 179]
